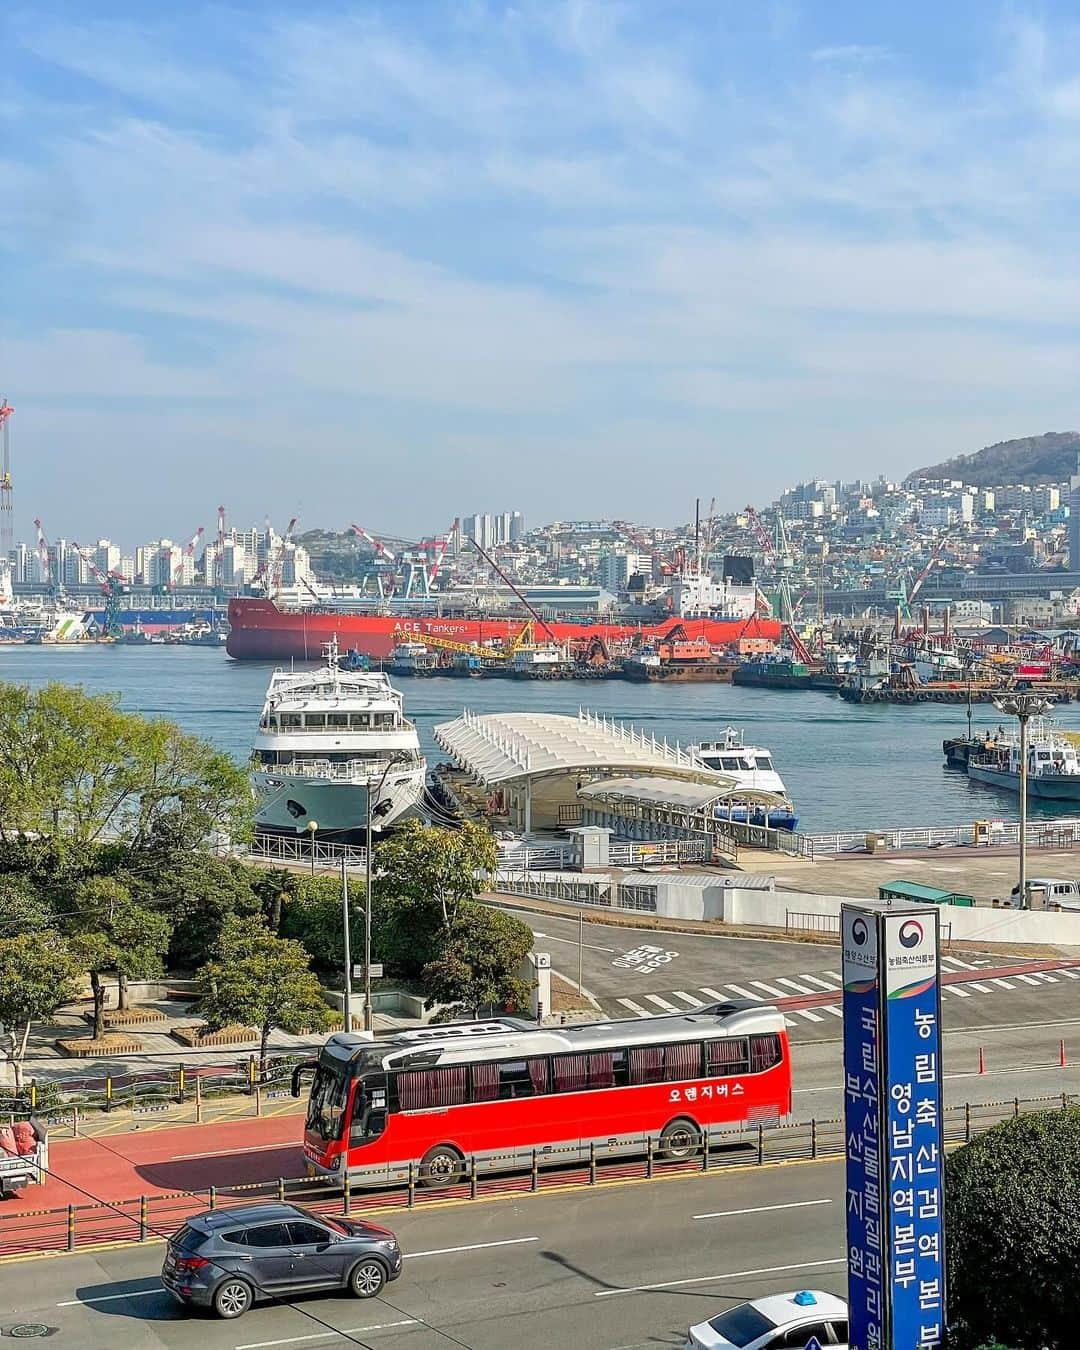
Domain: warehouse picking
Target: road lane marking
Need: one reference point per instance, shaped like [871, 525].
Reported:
[472, 1247]
[810, 1016]
[821, 984]
[662, 1003]
[221, 1152]
[111, 1298]
[1027, 980]
[635, 1008]
[714, 993]
[760, 1209]
[1048, 979]
[791, 984]
[833, 976]
[724, 1275]
[955, 989]
[744, 993]
[956, 961]
[982, 988]
[832, 1008]
[327, 1335]
[1004, 984]
[589, 946]
[689, 998]
[1069, 974]
[770, 989]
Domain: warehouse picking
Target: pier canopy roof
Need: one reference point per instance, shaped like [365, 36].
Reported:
[503, 748]
[669, 792]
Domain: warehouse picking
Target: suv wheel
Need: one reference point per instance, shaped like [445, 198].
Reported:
[367, 1277]
[232, 1298]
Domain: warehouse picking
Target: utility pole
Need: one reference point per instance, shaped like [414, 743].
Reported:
[346, 1001]
[580, 944]
[367, 915]
[1023, 707]
[7, 492]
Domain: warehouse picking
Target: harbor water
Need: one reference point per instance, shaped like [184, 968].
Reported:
[847, 766]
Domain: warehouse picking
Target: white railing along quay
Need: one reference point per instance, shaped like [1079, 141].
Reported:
[1061, 834]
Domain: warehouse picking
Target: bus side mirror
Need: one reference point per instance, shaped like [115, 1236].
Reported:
[309, 1066]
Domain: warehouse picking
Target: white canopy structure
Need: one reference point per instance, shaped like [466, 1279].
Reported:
[537, 761]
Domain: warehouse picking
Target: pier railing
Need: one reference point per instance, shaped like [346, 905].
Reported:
[1050, 834]
[300, 849]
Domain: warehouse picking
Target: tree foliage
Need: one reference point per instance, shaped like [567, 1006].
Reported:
[434, 868]
[311, 914]
[263, 981]
[76, 770]
[477, 969]
[1013, 1226]
[38, 972]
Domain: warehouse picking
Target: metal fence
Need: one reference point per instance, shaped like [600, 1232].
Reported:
[828, 925]
[286, 848]
[146, 1217]
[1057, 834]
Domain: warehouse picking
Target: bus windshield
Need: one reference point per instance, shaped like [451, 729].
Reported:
[326, 1107]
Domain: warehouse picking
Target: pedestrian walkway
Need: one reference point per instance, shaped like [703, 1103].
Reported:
[962, 979]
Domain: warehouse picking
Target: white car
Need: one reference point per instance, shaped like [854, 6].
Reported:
[778, 1322]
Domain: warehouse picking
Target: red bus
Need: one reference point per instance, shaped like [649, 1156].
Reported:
[498, 1090]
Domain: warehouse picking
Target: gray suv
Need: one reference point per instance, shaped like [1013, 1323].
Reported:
[227, 1259]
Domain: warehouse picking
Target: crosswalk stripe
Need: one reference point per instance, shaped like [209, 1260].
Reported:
[821, 984]
[793, 984]
[662, 1003]
[810, 1016]
[689, 998]
[789, 1023]
[1069, 974]
[834, 976]
[769, 988]
[1048, 979]
[714, 993]
[743, 993]
[1027, 980]
[1003, 984]
[955, 961]
[982, 988]
[955, 989]
[634, 1007]
[832, 1008]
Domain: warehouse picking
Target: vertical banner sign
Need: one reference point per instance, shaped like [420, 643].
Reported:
[893, 1127]
[915, 1238]
[862, 1128]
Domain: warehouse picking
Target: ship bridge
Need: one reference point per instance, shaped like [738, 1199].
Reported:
[535, 763]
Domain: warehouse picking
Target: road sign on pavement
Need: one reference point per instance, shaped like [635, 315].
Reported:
[376, 971]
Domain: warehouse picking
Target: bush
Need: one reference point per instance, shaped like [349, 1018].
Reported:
[1013, 1231]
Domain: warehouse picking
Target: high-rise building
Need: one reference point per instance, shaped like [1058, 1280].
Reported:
[106, 556]
[490, 531]
[1074, 520]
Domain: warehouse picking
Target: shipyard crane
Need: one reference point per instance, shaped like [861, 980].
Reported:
[935, 553]
[441, 546]
[270, 566]
[7, 503]
[44, 564]
[761, 534]
[108, 583]
[534, 613]
[188, 555]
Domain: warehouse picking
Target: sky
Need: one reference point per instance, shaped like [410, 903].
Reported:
[393, 263]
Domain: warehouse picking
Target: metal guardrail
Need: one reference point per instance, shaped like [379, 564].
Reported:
[283, 848]
[828, 925]
[56, 1100]
[146, 1217]
[1054, 834]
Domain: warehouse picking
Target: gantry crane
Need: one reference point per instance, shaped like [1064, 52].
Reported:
[110, 589]
[188, 554]
[7, 498]
[44, 564]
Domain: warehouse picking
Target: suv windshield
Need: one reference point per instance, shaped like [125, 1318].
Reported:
[326, 1109]
[742, 1325]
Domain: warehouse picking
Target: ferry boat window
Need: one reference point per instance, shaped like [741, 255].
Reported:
[315, 720]
[291, 720]
[273, 722]
[383, 719]
[337, 719]
[359, 720]
[764, 762]
[729, 762]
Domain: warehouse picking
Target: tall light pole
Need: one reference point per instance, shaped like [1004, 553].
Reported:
[395, 758]
[346, 997]
[311, 827]
[1023, 707]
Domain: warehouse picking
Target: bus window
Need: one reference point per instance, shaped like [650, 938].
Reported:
[326, 1106]
[682, 1061]
[485, 1081]
[764, 1052]
[424, 1088]
[726, 1057]
[647, 1064]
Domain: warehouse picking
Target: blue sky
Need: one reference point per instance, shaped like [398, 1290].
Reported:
[392, 263]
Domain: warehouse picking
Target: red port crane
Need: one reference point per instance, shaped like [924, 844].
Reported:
[761, 534]
[7, 503]
[188, 554]
[43, 554]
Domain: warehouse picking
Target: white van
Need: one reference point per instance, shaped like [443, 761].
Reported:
[1058, 891]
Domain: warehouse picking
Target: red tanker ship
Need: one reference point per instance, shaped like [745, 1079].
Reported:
[262, 632]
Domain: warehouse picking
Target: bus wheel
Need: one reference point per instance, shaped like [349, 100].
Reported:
[680, 1139]
[442, 1165]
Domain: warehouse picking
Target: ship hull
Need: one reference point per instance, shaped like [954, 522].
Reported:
[259, 631]
[288, 803]
[1065, 788]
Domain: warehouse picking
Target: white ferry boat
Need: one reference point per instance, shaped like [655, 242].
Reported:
[752, 768]
[1053, 767]
[326, 738]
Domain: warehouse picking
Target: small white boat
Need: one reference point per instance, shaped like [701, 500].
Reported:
[1053, 767]
[752, 768]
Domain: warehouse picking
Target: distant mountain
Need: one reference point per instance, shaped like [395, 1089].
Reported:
[1050, 458]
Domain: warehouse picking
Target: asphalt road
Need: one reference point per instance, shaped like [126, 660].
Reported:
[625, 1268]
[637, 973]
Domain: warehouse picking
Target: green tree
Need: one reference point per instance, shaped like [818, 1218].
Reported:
[38, 972]
[111, 932]
[76, 770]
[199, 893]
[479, 964]
[263, 981]
[311, 914]
[1013, 1227]
[435, 871]
[24, 906]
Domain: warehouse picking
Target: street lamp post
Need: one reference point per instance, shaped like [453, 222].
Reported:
[395, 758]
[311, 827]
[346, 997]
[1023, 707]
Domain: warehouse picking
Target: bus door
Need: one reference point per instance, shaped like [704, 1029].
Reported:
[367, 1124]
